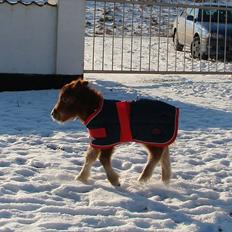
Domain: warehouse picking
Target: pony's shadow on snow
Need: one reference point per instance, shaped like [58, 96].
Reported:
[192, 116]
[138, 202]
[30, 122]
[28, 113]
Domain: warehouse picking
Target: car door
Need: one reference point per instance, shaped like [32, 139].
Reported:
[186, 26]
[190, 25]
[181, 27]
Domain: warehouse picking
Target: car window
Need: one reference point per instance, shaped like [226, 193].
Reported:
[221, 16]
[183, 14]
[194, 12]
[188, 11]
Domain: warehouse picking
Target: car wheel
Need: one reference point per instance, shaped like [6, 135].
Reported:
[196, 49]
[177, 45]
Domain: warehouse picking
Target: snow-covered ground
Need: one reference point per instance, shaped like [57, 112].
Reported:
[145, 54]
[39, 160]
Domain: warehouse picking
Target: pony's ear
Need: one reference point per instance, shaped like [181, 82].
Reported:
[80, 83]
[85, 83]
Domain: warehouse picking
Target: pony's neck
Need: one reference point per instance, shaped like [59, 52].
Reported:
[93, 101]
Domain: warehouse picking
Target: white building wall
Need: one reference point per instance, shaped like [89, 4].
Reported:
[42, 40]
[27, 39]
[70, 36]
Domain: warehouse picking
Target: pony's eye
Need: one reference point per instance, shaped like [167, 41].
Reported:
[64, 99]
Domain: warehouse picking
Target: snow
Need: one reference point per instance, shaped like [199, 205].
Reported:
[39, 160]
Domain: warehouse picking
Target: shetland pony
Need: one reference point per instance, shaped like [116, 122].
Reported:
[79, 101]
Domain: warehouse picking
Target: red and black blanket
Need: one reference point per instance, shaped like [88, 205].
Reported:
[144, 121]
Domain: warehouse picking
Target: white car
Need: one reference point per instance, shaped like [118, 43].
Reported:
[206, 28]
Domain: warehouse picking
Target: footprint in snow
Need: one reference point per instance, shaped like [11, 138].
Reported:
[4, 164]
[25, 172]
[20, 161]
[11, 140]
[38, 164]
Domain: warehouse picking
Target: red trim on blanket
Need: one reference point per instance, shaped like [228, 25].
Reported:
[95, 113]
[123, 109]
[98, 133]
[162, 145]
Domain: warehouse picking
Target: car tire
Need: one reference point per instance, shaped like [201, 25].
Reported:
[196, 49]
[177, 45]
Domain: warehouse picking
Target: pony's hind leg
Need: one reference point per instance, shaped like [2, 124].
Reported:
[166, 166]
[105, 159]
[154, 156]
